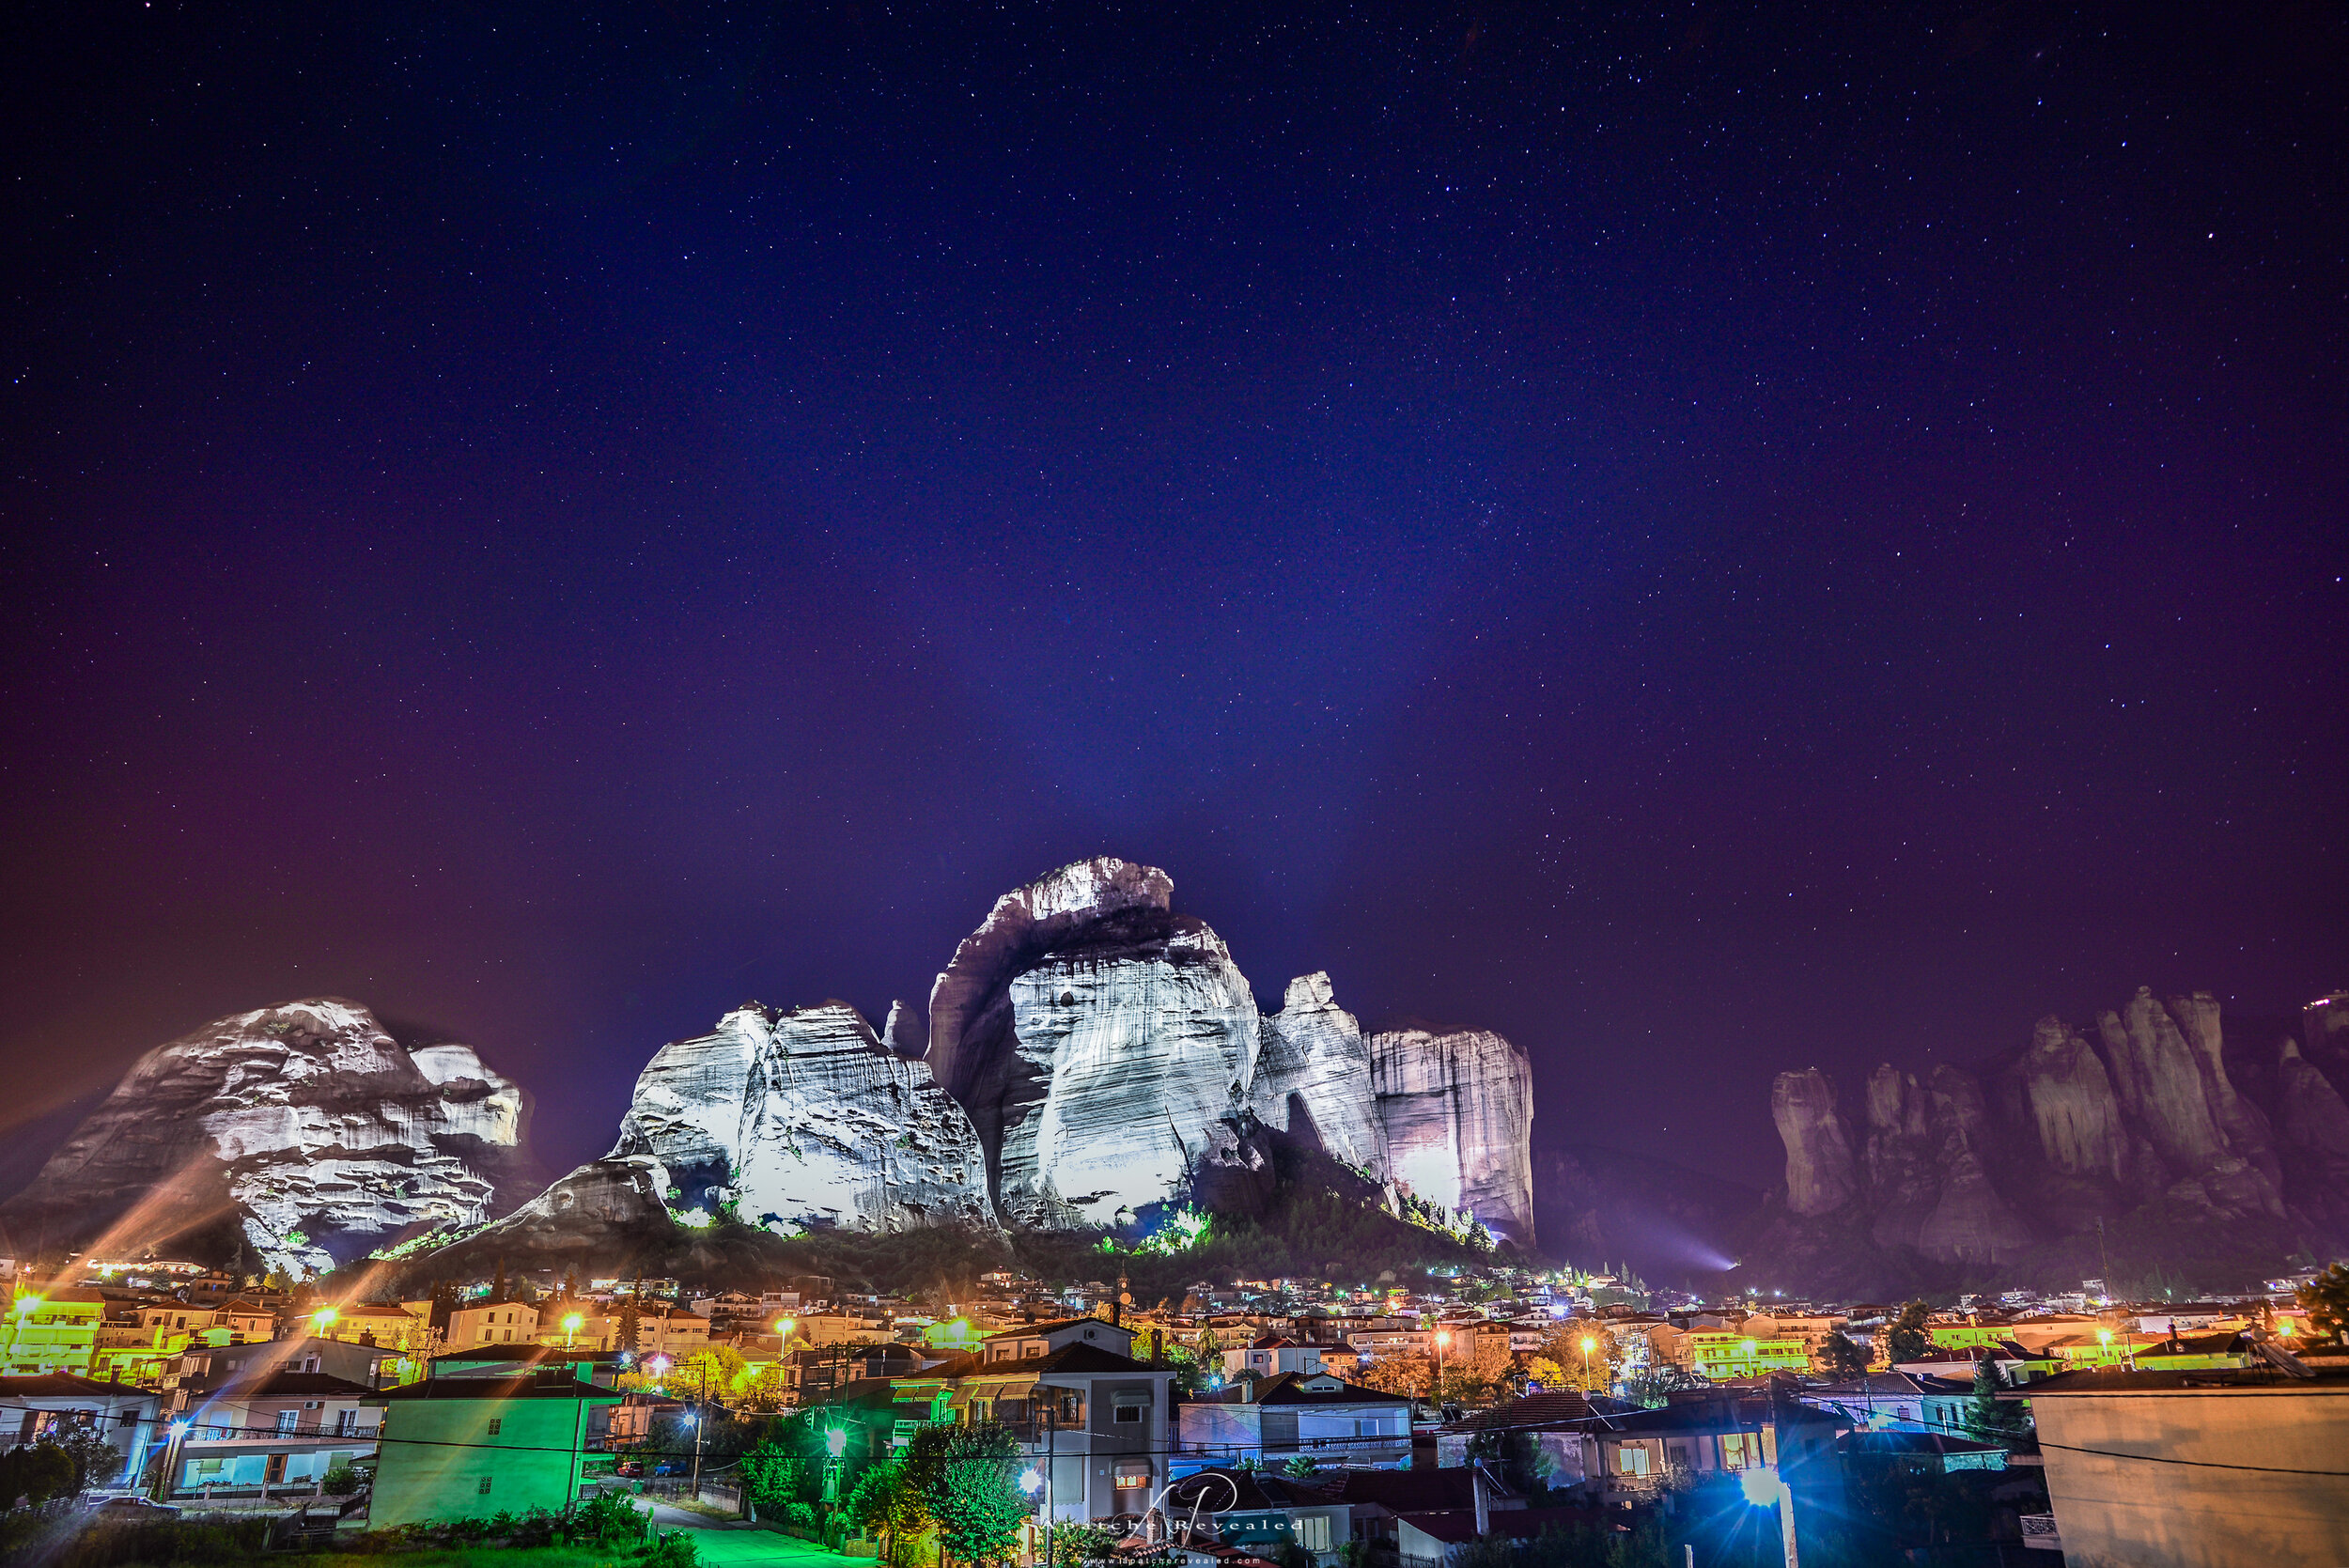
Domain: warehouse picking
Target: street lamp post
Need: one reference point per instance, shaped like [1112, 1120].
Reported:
[1435, 1393]
[1764, 1486]
[164, 1480]
[571, 1328]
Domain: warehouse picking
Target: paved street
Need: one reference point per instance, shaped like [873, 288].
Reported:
[728, 1543]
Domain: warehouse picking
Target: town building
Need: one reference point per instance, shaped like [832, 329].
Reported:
[1094, 1422]
[1912, 1400]
[458, 1448]
[1720, 1354]
[1531, 1434]
[1626, 1459]
[280, 1429]
[1271, 1354]
[53, 1331]
[41, 1407]
[1263, 1513]
[1273, 1420]
[2196, 1468]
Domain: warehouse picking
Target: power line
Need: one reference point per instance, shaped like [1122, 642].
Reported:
[2199, 1464]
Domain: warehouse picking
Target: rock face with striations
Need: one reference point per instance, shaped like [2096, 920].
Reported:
[1314, 1075]
[1455, 1111]
[1111, 1057]
[2137, 1111]
[1111, 1068]
[1089, 1053]
[792, 1120]
[306, 1127]
[1819, 1174]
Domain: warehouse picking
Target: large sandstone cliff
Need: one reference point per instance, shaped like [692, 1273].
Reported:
[305, 1131]
[1090, 1057]
[1113, 1058]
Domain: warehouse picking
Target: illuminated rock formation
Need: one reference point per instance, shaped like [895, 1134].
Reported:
[305, 1129]
[803, 1119]
[1455, 1111]
[1111, 1067]
[1314, 1075]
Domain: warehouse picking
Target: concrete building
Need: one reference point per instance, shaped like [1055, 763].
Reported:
[280, 1429]
[50, 1404]
[1097, 1423]
[1274, 1420]
[1270, 1354]
[53, 1331]
[455, 1447]
[2196, 1469]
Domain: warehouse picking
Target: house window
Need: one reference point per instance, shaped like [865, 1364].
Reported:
[345, 1422]
[1312, 1532]
[1027, 1350]
[288, 1419]
[484, 1487]
[1125, 1413]
[1131, 1476]
[1632, 1459]
[1367, 1426]
[1741, 1450]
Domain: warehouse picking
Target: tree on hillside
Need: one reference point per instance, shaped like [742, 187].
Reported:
[2325, 1299]
[1908, 1340]
[1840, 1356]
[631, 1326]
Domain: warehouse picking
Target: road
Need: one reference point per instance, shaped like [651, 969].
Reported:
[728, 1543]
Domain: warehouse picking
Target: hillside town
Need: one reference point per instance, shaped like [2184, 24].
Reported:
[1397, 1421]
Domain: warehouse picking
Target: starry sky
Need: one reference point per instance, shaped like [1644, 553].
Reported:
[1708, 539]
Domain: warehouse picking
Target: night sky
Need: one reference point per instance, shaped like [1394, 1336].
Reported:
[1712, 540]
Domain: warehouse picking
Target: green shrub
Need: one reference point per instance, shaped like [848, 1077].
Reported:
[674, 1549]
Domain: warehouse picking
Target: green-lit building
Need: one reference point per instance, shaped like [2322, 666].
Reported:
[1724, 1354]
[454, 1448]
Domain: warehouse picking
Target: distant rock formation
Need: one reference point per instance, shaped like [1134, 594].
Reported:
[2139, 1110]
[1820, 1178]
[303, 1131]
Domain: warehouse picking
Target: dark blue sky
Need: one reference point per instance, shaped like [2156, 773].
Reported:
[1710, 540]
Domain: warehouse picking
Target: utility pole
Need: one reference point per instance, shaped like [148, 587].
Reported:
[1051, 1426]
